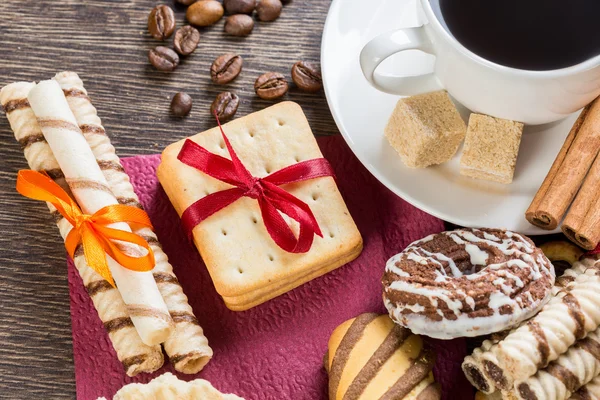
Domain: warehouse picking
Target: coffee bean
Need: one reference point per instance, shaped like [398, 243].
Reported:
[239, 25]
[307, 76]
[271, 85]
[186, 2]
[181, 104]
[225, 106]
[239, 6]
[204, 13]
[268, 10]
[226, 68]
[161, 22]
[186, 40]
[163, 58]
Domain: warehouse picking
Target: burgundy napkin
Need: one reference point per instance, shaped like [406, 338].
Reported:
[275, 350]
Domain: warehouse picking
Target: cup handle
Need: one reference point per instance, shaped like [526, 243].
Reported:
[388, 44]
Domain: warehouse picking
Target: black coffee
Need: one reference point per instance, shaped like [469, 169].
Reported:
[526, 34]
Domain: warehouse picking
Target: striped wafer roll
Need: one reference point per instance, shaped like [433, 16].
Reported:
[591, 391]
[473, 367]
[187, 347]
[482, 367]
[139, 291]
[370, 357]
[568, 317]
[573, 369]
[135, 355]
[571, 274]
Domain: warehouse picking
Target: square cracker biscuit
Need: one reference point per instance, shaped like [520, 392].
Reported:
[245, 264]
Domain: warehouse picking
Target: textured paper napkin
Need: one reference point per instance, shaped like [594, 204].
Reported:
[275, 350]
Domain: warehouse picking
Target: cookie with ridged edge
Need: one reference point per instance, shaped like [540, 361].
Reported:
[370, 357]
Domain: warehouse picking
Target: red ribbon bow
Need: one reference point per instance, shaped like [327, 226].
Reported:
[271, 198]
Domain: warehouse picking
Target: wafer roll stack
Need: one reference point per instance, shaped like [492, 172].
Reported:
[131, 351]
[567, 318]
[187, 347]
[482, 367]
[573, 369]
[591, 391]
[146, 306]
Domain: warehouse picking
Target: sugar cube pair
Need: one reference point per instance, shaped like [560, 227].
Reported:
[427, 130]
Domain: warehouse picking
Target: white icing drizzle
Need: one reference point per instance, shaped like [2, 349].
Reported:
[477, 256]
[391, 266]
[489, 236]
[512, 285]
[425, 239]
[433, 257]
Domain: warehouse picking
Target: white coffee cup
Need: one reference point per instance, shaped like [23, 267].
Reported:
[532, 97]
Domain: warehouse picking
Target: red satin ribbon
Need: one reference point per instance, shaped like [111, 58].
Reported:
[595, 251]
[271, 198]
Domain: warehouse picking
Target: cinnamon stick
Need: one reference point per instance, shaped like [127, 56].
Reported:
[582, 223]
[135, 356]
[145, 304]
[187, 347]
[568, 170]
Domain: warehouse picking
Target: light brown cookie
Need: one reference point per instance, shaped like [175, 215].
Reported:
[370, 357]
[168, 387]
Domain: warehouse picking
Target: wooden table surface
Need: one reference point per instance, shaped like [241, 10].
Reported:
[106, 42]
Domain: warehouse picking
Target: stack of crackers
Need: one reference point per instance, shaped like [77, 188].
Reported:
[247, 267]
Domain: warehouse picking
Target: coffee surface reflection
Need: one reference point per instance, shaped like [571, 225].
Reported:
[526, 34]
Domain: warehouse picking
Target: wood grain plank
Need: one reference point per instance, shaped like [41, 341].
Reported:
[106, 43]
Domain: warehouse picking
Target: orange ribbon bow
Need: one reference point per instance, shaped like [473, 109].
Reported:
[92, 230]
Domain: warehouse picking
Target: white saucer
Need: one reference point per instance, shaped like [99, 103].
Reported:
[361, 113]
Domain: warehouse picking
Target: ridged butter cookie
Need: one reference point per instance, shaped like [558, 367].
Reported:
[369, 358]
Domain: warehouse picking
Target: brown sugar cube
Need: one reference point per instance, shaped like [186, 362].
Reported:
[491, 148]
[425, 129]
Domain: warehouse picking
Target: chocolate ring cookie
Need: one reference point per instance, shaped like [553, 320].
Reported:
[467, 282]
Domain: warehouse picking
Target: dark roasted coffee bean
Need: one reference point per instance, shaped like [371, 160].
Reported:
[239, 25]
[225, 106]
[271, 85]
[163, 58]
[186, 40]
[226, 68]
[186, 2]
[268, 10]
[307, 76]
[204, 13]
[239, 6]
[181, 104]
[161, 22]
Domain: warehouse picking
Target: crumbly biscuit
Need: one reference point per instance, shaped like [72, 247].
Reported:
[245, 264]
[168, 387]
